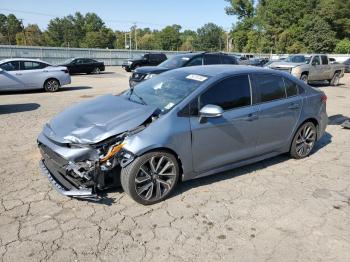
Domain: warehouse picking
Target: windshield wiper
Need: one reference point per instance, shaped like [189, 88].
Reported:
[132, 91]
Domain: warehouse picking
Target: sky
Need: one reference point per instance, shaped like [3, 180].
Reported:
[121, 14]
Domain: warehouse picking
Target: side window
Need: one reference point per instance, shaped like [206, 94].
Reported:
[292, 88]
[196, 61]
[324, 60]
[10, 66]
[271, 87]
[316, 60]
[30, 65]
[211, 59]
[230, 93]
[229, 60]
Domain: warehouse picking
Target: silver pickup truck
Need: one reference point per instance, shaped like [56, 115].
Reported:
[316, 67]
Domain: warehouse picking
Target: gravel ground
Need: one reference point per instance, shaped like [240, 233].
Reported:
[276, 210]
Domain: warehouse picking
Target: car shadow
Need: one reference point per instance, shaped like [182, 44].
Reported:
[17, 108]
[337, 119]
[323, 84]
[73, 88]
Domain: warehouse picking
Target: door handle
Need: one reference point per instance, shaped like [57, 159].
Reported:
[251, 117]
[293, 106]
[46, 71]
[18, 74]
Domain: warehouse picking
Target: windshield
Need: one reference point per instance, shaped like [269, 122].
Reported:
[175, 62]
[295, 59]
[166, 90]
[68, 61]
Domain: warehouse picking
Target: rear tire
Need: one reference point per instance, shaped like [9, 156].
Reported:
[335, 80]
[150, 178]
[52, 85]
[303, 141]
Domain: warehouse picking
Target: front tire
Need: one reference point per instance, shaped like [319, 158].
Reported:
[52, 85]
[304, 141]
[96, 70]
[150, 178]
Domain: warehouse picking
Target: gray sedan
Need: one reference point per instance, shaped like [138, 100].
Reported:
[184, 124]
[26, 74]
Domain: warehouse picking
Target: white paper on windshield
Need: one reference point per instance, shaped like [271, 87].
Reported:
[169, 106]
[186, 58]
[197, 78]
[158, 86]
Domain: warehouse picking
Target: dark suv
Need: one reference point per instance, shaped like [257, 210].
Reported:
[149, 59]
[183, 60]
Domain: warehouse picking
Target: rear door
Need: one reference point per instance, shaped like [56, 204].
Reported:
[279, 111]
[32, 74]
[315, 69]
[231, 137]
[326, 68]
[9, 76]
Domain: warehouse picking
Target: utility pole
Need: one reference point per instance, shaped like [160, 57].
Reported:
[135, 28]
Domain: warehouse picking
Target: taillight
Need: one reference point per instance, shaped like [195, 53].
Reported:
[324, 98]
[65, 70]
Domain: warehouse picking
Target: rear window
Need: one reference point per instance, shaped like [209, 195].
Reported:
[271, 87]
[324, 60]
[229, 60]
[30, 65]
[212, 59]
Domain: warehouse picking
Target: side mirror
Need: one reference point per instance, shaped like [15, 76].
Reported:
[211, 111]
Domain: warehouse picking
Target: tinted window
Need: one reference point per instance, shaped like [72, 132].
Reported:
[10, 66]
[230, 93]
[29, 65]
[324, 60]
[271, 87]
[291, 88]
[230, 60]
[212, 59]
[196, 61]
[316, 60]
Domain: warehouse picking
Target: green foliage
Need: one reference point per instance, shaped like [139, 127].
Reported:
[291, 26]
[210, 37]
[343, 46]
[169, 38]
[9, 27]
[31, 36]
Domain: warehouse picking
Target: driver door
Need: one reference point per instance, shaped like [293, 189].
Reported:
[231, 137]
[9, 76]
[315, 69]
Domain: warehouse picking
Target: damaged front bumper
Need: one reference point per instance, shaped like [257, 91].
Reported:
[58, 181]
[81, 179]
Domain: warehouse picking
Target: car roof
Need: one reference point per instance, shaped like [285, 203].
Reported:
[217, 70]
[21, 59]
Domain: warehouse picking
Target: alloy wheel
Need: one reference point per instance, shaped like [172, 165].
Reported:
[97, 70]
[155, 178]
[305, 141]
[52, 85]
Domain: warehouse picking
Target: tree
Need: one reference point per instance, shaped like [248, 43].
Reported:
[31, 36]
[169, 38]
[318, 36]
[343, 46]
[210, 37]
[101, 39]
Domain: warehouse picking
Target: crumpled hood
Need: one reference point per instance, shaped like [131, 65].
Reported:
[285, 64]
[151, 70]
[96, 120]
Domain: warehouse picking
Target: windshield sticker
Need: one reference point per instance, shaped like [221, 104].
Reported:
[197, 78]
[186, 58]
[169, 106]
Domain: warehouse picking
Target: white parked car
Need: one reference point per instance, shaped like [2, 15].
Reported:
[25, 74]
